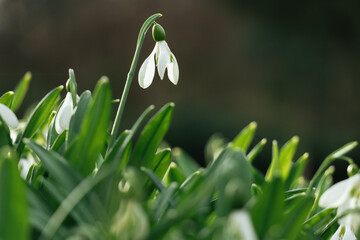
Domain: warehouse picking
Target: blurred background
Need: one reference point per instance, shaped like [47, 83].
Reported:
[293, 68]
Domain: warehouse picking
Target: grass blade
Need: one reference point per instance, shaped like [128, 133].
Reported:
[13, 204]
[93, 131]
[39, 116]
[151, 136]
[20, 91]
[7, 98]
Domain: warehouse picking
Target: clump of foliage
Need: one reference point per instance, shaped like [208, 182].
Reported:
[82, 181]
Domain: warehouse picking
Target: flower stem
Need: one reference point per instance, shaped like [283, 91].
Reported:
[147, 24]
[327, 162]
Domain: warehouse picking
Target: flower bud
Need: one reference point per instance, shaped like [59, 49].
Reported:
[130, 221]
[352, 169]
[158, 33]
[68, 85]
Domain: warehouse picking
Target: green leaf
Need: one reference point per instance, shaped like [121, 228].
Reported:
[93, 131]
[324, 183]
[151, 136]
[58, 141]
[267, 211]
[121, 143]
[164, 200]
[64, 176]
[7, 98]
[5, 139]
[51, 133]
[79, 116]
[161, 162]
[296, 216]
[56, 165]
[286, 156]
[159, 167]
[244, 138]
[153, 178]
[185, 163]
[72, 85]
[258, 177]
[297, 170]
[173, 174]
[39, 116]
[13, 202]
[40, 212]
[72, 200]
[190, 181]
[117, 159]
[256, 150]
[329, 160]
[274, 169]
[233, 176]
[343, 150]
[322, 216]
[20, 91]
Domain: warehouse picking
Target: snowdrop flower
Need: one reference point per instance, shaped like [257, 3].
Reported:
[162, 57]
[25, 164]
[8, 116]
[343, 233]
[64, 114]
[240, 226]
[344, 195]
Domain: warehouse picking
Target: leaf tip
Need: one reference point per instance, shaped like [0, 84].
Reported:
[253, 125]
[176, 151]
[295, 139]
[104, 80]
[27, 76]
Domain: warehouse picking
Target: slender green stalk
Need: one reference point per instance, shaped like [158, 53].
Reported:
[147, 24]
[71, 201]
[327, 162]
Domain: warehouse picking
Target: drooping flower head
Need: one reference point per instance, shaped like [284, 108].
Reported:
[64, 114]
[344, 196]
[8, 116]
[162, 58]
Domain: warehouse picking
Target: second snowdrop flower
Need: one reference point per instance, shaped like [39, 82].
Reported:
[161, 57]
[8, 116]
[344, 195]
[64, 114]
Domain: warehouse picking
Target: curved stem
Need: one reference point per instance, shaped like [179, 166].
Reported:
[147, 24]
[327, 162]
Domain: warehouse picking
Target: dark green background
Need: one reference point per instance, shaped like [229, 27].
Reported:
[293, 67]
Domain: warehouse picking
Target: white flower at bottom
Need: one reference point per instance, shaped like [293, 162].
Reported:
[240, 225]
[25, 164]
[8, 116]
[164, 59]
[64, 114]
[343, 233]
[344, 195]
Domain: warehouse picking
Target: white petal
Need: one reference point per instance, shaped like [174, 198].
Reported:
[343, 233]
[8, 116]
[163, 59]
[147, 70]
[173, 70]
[24, 166]
[63, 116]
[338, 193]
[243, 221]
[350, 203]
